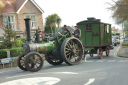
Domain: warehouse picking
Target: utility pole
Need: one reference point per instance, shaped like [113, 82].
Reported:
[122, 26]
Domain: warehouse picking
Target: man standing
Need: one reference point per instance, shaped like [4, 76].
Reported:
[76, 32]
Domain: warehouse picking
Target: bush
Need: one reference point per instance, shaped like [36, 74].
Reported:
[19, 43]
[14, 52]
[125, 43]
[3, 53]
[23, 39]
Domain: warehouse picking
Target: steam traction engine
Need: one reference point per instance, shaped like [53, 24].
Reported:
[62, 48]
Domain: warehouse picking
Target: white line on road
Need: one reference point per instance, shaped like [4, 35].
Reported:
[100, 60]
[111, 61]
[89, 61]
[33, 81]
[42, 73]
[90, 81]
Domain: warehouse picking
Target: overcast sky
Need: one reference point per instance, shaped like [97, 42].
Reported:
[73, 11]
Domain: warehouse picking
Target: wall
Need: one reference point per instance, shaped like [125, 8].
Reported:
[29, 8]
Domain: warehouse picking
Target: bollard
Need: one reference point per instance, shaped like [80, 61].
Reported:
[8, 54]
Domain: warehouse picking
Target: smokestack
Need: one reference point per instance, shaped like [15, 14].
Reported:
[28, 33]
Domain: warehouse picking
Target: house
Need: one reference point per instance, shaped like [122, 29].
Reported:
[15, 11]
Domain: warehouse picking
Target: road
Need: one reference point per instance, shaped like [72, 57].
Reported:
[92, 71]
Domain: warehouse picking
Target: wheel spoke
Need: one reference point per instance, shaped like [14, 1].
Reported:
[67, 34]
[68, 49]
[60, 39]
[78, 50]
[68, 54]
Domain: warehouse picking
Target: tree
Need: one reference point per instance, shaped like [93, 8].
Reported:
[120, 10]
[9, 37]
[126, 26]
[51, 22]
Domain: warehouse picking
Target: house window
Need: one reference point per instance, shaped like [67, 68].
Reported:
[88, 27]
[9, 20]
[33, 20]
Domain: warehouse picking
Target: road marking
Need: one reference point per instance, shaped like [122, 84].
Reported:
[33, 81]
[90, 81]
[65, 73]
[111, 61]
[42, 73]
[100, 60]
[89, 61]
[123, 61]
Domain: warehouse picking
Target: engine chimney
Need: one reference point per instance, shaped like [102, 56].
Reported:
[28, 33]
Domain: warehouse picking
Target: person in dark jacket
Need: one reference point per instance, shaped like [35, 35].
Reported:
[76, 32]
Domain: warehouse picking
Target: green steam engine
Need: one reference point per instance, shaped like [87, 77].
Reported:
[62, 48]
[95, 37]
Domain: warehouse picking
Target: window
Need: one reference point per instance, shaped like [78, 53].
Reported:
[33, 20]
[9, 20]
[106, 28]
[88, 27]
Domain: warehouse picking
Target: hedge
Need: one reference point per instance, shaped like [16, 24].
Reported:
[125, 43]
[14, 52]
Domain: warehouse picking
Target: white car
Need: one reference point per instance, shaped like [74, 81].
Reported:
[117, 39]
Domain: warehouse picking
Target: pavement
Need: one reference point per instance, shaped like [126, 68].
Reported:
[123, 52]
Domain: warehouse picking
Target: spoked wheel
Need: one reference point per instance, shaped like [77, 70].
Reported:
[100, 53]
[33, 61]
[53, 61]
[20, 62]
[91, 54]
[107, 51]
[72, 51]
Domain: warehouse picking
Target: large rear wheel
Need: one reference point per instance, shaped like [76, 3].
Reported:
[33, 61]
[72, 51]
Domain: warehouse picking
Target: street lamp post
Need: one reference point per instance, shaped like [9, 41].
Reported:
[122, 26]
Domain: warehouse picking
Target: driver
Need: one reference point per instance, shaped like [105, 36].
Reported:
[76, 32]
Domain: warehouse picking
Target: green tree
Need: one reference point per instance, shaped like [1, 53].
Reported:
[9, 37]
[51, 22]
[120, 10]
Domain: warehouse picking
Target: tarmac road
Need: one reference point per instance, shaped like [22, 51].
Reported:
[92, 71]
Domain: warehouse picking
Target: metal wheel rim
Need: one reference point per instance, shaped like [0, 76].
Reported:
[73, 51]
[20, 62]
[33, 63]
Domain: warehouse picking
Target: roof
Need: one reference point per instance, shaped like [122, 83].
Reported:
[8, 8]
[14, 6]
[91, 19]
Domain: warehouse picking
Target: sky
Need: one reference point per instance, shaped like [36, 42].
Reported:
[74, 11]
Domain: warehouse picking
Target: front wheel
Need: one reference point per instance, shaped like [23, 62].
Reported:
[20, 62]
[33, 61]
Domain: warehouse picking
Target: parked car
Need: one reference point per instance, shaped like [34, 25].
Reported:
[125, 39]
[114, 41]
[112, 46]
[117, 39]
